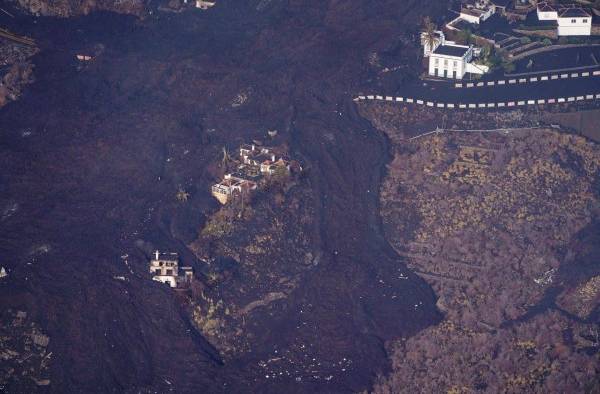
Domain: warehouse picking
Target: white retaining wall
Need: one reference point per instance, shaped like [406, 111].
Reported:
[538, 78]
[501, 104]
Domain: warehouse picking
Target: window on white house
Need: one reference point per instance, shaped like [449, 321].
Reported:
[445, 62]
[585, 21]
[455, 64]
[573, 20]
[436, 61]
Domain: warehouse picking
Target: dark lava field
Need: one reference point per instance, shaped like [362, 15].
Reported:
[92, 156]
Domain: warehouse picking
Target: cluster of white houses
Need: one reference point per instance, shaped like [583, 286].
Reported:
[571, 19]
[165, 268]
[447, 59]
[255, 162]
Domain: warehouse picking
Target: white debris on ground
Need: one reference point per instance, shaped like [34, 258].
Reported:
[301, 361]
[9, 210]
[546, 278]
[125, 260]
[41, 249]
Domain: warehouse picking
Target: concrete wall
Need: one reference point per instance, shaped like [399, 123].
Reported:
[469, 18]
[166, 279]
[484, 105]
[477, 68]
[587, 122]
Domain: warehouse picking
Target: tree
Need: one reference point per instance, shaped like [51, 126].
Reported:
[429, 37]
[508, 67]
[226, 157]
[466, 36]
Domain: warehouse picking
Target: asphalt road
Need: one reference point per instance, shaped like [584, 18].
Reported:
[447, 93]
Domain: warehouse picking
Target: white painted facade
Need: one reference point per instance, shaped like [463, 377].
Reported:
[204, 5]
[446, 66]
[448, 59]
[468, 17]
[547, 15]
[476, 11]
[165, 268]
[479, 69]
[571, 20]
[574, 26]
[476, 15]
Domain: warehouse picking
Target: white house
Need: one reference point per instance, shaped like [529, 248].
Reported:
[204, 5]
[572, 20]
[231, 185]
[546, 12]
[477, 11]
[450, 61]
[165, 268]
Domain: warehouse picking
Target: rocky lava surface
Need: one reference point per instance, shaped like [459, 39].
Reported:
[93, 156]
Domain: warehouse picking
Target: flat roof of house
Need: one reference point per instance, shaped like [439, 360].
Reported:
[451, 50]
[573, 12]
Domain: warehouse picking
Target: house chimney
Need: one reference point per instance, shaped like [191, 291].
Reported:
[156, 254]
[273, 158]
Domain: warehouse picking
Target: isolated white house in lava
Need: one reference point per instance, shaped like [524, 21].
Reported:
[572, 20]
[165, 268]
[448, 59]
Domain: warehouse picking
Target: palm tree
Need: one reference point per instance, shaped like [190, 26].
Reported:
[429, 36]
[226, 157]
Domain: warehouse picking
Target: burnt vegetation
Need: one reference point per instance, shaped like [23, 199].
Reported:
[499, 224]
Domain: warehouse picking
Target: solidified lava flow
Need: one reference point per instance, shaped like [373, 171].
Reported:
[92, 156]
